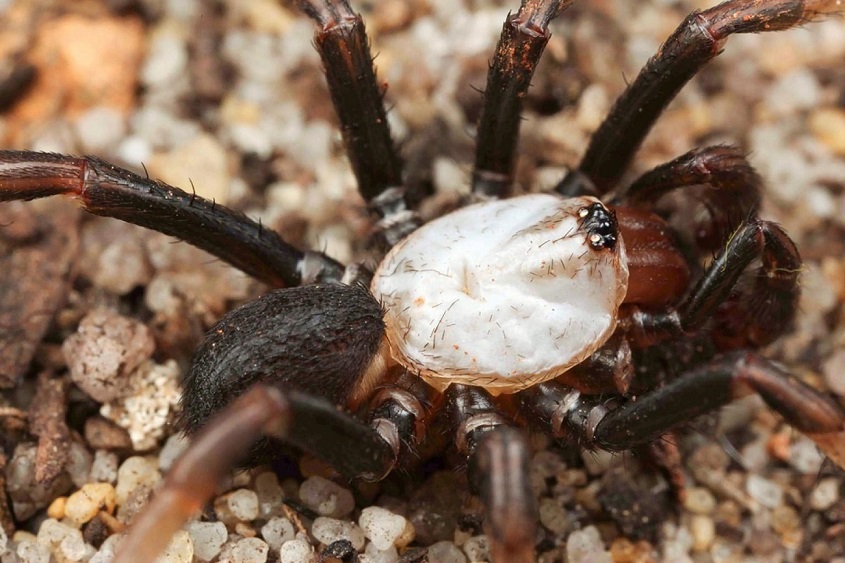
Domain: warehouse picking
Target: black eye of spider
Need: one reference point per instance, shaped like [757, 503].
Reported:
[600, 223]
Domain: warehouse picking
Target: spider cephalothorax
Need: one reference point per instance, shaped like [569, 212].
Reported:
[524, 310]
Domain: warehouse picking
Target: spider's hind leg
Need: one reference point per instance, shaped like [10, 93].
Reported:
[497, 457]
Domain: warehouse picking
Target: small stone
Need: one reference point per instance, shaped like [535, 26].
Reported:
[296, 551]
[270, 495]
[825, 495]
[381, 526]
[250, 550]
[87, 502]
[374, 555]
[699, 500]
[201, 161]
[104, 351]
[32, 552]
[53, 534]
[239, 505]
[106, 435]
[477, 548]
[785, 520]
[586, 546]
[446, 552]
[554, 516]
[703, 530]
[329, 530]
[828, 125]
[148, 407]
[326, 498]
[104, 467]
[804, 455]
[207, 538]
[179, 550]
[99, 129]
[56, 509]
[765, 492]
[277, 531]
[135, 472]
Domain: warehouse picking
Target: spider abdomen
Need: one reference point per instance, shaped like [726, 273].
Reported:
[504, 294]
[325, 339]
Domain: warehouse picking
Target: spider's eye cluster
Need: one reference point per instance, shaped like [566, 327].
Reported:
[504, 294]
[600, 223]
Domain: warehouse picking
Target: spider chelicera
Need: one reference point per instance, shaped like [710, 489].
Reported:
[530, 310]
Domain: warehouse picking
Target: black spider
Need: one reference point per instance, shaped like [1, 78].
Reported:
[527, 310]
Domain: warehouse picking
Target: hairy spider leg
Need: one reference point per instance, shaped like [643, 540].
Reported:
[524, 37]
[753, 316]
[311, 423]
[104, 189]
[497, 462]
[699, 39]
[765, 309]
[588, 421]
[356, 95]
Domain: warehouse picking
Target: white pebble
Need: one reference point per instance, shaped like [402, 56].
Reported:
[135, 472]
[825, 494]
[100, 129]
[208, 537]
[381, 526]
[446, 552]
[326, 498]
[477, 548]
[32, 552]
[765, 492]
[52, 533]
[104, 467]
[241, 504]
[180, 549]
[329, 530]
[296, 551]
[250, 550]
[374, 555]
[586, 546]
[277, 531]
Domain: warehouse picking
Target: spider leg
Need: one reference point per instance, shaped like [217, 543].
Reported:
[732, 189]
[497, 471]
[745, 316]
[358, 99]
[524, 37]
[104, 189]
[755, 316]
[563, 412]
[699, 39]
[308, 422]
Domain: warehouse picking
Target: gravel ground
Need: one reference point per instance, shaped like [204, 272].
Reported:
[103, 316]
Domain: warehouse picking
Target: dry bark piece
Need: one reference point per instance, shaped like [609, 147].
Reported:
[47, 421]
[37, 256]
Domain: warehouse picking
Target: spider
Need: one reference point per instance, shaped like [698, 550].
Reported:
[531, 310]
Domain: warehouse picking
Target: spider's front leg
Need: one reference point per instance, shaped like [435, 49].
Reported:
[107, 190]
